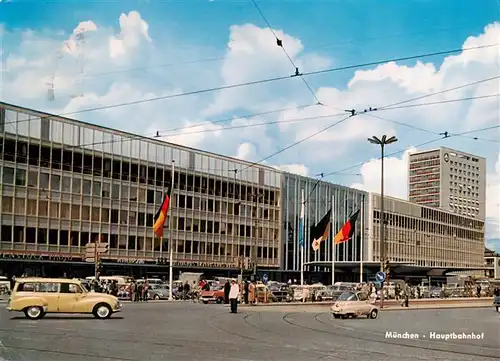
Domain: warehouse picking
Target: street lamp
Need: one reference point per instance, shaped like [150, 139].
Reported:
[382, 142]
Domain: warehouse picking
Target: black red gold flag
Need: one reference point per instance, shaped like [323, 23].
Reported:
[161, 215]
[347, 229]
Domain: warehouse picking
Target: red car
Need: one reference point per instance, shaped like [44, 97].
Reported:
[216, 295]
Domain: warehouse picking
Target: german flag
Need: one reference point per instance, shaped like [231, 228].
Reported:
[320, 232]
[161, 215]
[347, 229]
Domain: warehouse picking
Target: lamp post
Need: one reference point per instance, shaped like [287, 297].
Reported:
[382, 142]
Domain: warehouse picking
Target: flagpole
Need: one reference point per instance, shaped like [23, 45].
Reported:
[301, 237]
[333, 239]
[361, 248]
[170, 242]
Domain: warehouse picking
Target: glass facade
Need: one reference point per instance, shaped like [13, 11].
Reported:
[66, 183]
[319, 197]
[425, 236]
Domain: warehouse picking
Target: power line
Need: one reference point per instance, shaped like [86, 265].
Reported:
[440, 102]
[269, 80]
[279, 42]
[293, 120]
[423, 129]
[222, 58]
[444, 136]
[441, 92]
[296, 143]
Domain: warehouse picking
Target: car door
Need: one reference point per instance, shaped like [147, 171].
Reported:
[69, 295]
[364, 305]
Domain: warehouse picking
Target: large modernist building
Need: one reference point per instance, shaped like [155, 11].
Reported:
[448, 179]
[66, 183]
[320, 197]
[425, 236]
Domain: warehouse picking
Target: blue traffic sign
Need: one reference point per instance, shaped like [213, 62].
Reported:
[265, 278]
[380, 276]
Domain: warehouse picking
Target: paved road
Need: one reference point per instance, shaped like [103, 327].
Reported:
[173, 331]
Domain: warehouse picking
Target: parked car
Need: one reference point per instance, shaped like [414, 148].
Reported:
[279, 291]
[331, 293]
[38, 296]
[354, 304]
[159, 292]
[216, 295]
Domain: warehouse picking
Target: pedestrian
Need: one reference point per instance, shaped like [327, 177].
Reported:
[145, 289]
[227, 288]
[133, 290]
[187, 288]
[251, 293]
[234, 293]
[478, 291]
[245, 292]
[139, 292]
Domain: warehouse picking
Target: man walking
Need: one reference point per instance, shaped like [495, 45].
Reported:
[234, 293]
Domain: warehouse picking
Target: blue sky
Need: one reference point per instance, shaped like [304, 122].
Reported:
[39, 47]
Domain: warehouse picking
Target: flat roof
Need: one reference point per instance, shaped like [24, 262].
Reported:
[127, 134]
[428, 207]
[448, 149]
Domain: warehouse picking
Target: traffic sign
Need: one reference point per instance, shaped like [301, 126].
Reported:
[265, 278]
[96, 248]
[380, 276]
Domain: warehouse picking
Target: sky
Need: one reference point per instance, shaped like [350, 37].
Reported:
[104, 54]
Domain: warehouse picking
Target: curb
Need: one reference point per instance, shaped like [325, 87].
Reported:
[423, 302]
[443, 307]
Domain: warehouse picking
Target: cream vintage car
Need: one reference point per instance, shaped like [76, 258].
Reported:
[354, 304]
[38, 296]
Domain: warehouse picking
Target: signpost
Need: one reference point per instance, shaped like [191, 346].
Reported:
[93, 253]
[265, 278]
[380, 276]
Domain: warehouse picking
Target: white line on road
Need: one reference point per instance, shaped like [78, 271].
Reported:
[2, 346]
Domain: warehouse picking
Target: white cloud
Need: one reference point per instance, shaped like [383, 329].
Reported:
[133, 30]
[300, 169]
[396, 175]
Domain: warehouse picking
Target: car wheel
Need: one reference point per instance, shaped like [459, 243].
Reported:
[219, 300]
[336, 316]
[373, 314]
[156, 297]
[205, 302]
[34, 312]
[319, 299]
[345, 317]
[102, 311]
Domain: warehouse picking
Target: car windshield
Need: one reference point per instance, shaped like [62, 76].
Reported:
[347, 296]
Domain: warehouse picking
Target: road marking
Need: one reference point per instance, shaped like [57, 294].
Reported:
[2, 346]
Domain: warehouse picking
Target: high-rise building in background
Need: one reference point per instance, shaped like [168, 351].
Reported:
[448, 179]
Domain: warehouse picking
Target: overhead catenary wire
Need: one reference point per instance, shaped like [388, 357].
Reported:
[440, 92]
[293, 120]
[445, 135]
[296, 143]
[222, 58]
[279, 43]
[424, 129]
[279, 78]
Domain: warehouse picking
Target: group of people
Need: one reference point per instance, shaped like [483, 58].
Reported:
[235, 292]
